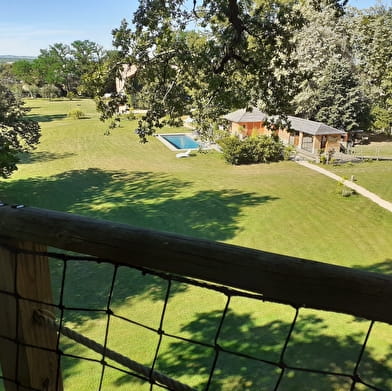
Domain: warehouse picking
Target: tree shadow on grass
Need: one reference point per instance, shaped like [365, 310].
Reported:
[384, 267]
[88, 284]
[145, 199]
[35, 157]
[46, 118]
[311, 346]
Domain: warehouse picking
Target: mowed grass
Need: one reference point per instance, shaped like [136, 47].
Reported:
[379, 145]
[375, 176]
[281, 207]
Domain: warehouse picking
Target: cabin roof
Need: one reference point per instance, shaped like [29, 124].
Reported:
[299, 124]
[243, 115]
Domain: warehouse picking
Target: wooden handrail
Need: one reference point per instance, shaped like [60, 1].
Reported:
[290, 280]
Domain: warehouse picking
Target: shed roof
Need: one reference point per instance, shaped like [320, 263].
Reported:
[312, 127]
[242, 115]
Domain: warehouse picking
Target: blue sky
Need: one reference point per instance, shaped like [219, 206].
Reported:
[26, 26]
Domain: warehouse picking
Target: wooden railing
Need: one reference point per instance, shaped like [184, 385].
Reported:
[284, 279]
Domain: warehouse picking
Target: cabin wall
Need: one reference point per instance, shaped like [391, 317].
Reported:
[311, 143]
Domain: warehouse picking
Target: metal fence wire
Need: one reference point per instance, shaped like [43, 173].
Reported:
[128, 328]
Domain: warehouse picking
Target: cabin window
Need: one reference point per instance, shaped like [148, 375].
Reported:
[307, 143]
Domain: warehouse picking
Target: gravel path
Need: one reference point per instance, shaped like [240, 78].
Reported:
[359, 189]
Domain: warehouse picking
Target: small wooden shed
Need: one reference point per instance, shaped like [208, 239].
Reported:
[306, 135]
[245, 123]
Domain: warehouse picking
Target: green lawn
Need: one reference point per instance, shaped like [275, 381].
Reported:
[375, 176]
[378, 145]
[280, 207]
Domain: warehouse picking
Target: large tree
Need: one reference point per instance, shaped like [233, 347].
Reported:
[371, 39]
[7, 76]
[63, 66]
[331, 92]
[322, 41]
[17, 133]
[53, 66]
[239, 54]
[24, 70]
[86, 58]
[340, 101]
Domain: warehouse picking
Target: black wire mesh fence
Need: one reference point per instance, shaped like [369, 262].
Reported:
[180, 334]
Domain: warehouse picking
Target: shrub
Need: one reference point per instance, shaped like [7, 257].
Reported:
[347, 192]
[259, 149]
[289, 152]
[343, 190]
[71, 95]
[130, 116]
[76, 114]
[231, 147]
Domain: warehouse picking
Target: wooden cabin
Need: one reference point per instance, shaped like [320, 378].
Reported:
[306, 135]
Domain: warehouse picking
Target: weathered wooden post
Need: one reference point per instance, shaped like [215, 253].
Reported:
[28, 354]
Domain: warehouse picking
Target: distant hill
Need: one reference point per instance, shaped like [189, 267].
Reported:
[9, 58]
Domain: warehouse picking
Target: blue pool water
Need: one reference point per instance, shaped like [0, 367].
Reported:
[181, 141]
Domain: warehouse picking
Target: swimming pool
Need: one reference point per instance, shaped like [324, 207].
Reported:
[179, 141]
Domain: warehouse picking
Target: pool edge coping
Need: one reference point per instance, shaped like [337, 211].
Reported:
[171, 146]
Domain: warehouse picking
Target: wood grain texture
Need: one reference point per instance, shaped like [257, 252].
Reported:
[290, 280]
[8, 321]
[27, 277]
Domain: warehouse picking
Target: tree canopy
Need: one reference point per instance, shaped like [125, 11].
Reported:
[17, 133]
[211, 58]
[62, 67]
[340, 101]
[371, 39]
[317, 59]
[321, 41]
[332, 91]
